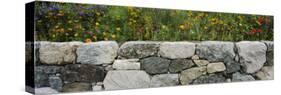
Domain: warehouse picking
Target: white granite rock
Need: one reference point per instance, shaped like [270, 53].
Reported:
[252, 55]
[126, 64]
[122, 79]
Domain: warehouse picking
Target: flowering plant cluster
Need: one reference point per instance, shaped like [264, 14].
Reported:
[82, 22]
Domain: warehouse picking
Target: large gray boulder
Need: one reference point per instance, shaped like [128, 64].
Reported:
[122, 79]
[103, 52]
[138, 49]
[164, 80]
[177, 50]
[252, 55]
[155, 65]
[58, 52]
[216, 51]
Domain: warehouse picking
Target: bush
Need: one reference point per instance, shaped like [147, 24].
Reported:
[82, 22]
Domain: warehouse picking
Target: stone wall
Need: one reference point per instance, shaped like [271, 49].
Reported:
[106, 65]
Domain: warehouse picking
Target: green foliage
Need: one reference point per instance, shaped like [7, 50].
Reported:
[81, 22]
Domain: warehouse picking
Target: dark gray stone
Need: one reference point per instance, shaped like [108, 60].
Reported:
[155, 65]
[42, 74]
[214, 78]
[55, 83]
[138, 49]
[83, 73]
[77, 87]
[178, 65]
[232, 67]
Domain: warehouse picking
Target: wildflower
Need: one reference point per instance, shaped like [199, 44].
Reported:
[113, 36]
[88, 40]
[76, 34]
[260, 20]
[105, 39]
[118, 28]
[95, 37]
[61, 13]
[181, 27]
[97, 24]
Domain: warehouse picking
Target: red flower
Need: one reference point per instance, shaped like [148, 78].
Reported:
[259, 30]
[260, 20]
[253, 30]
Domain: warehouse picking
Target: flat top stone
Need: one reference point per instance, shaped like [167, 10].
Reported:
[102, 52]
[216, 51]
[138, 49]
[175, 50]
[126, 79]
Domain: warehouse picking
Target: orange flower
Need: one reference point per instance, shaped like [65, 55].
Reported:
[88, 40]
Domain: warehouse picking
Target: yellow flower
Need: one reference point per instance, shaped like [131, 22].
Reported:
[88, 40]
[113, 36]
[53, 35]
[181, 27]
[98, 13]
[104, 33]
[76, 34]
[105, 39]
[95, 37]
[118, 28]
[97, 24]
[164, 26]
[70, 29]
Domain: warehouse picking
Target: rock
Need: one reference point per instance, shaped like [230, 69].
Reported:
[45, 91]
[241, 77]
[109, 67]
[58, 52]
[215, 67]
[97, 88]
[121, 79]
[232, 67]
[126, 64]
[266, 73]
[187, 76]
[200, 63]
[55, 83]
[252, 55]
[77, 87]
[214, 78]
[155, 65]
[216, 51]
[164, 80]
[138, 49]
[269, 53]
[177, 50]
[178, 65]
[42, 74]
[228, 80]
[103, 52]
[195, 57]
[83, 73]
